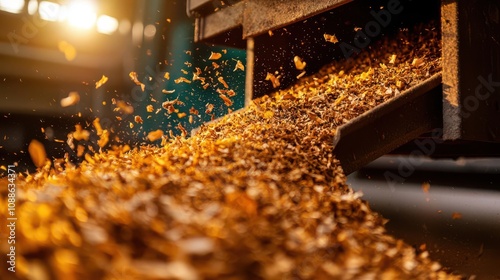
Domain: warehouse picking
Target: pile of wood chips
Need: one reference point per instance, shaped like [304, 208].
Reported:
[256, 195]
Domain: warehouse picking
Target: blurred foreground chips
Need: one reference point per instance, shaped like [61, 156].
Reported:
[37, 153]
[72, 99]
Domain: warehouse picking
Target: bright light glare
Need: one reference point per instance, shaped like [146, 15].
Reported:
[81, 14]
[125, 26]
[49, 11]
[107, 24]
[137, 32]
[12, 6]
[32, 6]
[149, 31]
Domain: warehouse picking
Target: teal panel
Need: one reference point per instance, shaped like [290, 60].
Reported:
[174, 52]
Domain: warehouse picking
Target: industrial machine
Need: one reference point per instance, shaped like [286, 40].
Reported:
[462, 106]
[451, 116]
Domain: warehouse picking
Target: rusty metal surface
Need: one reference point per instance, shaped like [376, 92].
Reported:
[220, 23]
[200, 8]
[390, 125]
[193, 6]
[263, 15]
[471, 69]
[449, 30]
[258, 16]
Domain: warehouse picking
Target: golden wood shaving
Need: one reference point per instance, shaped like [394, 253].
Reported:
[417, 62]
[301, 74]
[37, 153]
[196, 77]
[101, 82]
[72, 99]
[193, 111]
[89, 159]
[184, 132]
[80, 149]
[97, 126]
[275, 80]
[103, 139]
[124, 107]
[228, 102]
[392, 59]
[221, 80]
[138, 119]
[133, 76]
[299, 63]
[209, 107]
[239, 65]
[182, 80]
[80, 133]
[69, 141]
[168, 91]
[169, 105]
[268, 114]
[215, 56]
[330, 38]
[155, 135]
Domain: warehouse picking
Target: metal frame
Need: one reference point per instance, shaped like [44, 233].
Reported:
[389, 125]
[471, 69]
[256, 17]
[464, 104]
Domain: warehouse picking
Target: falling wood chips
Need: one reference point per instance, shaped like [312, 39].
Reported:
[256, 195]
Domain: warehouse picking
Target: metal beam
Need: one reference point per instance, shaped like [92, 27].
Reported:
[471, 69]
[257, 17]
[389, 125]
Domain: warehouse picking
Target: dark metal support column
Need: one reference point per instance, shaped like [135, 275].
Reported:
[471, 69]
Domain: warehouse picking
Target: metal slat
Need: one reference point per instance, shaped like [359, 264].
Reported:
[256, 17]
[389, 125]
